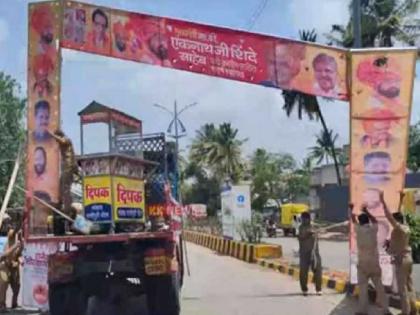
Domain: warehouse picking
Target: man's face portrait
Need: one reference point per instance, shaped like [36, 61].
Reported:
[159, 46]
[100, 23]
[377, 167]
[42, 120]
[325, 69]
[287, 64]
[40, 161]
[371, 199]
[389, 88]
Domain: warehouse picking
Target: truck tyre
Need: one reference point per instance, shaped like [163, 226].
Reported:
[163, 294]
[67, 299]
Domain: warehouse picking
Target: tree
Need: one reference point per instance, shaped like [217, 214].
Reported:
[219, 150]
[199, 187]
[325, 141]
[308, 104]
[413, 161]
[276, 177]
[382, 24]
[12, 135]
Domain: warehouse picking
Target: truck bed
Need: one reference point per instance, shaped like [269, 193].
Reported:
[100, 238]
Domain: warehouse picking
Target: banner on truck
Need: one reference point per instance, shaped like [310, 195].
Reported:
[35, 274]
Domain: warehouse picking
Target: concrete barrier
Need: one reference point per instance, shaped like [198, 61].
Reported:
[240, 250]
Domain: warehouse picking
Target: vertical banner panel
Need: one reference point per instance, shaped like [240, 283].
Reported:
[381, 96]
[43, 110]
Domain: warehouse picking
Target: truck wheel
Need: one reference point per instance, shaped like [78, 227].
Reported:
[67, 299]
[163, 294]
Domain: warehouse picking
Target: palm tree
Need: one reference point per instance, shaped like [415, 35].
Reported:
[219, 150]
[308, 104]
[324, 142]
[382, 24]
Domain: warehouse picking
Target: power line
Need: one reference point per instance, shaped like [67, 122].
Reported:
[257, 13]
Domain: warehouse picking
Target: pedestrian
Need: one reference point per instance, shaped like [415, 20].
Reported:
[309, 255]
[400, 250]
[368, 267]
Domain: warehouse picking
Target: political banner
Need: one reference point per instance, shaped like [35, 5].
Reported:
[42, 172]
[35, 274]
[215, 51]
[380, 111]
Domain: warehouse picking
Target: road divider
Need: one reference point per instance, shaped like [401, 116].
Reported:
[240, 250]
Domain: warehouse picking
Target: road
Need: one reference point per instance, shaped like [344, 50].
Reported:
[334, 254]
[221, 285]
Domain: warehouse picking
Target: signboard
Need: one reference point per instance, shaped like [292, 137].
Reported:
[35, 274]
[128, 199]
[97, 198]
[382, 83]
[236, 207]
[197, 211]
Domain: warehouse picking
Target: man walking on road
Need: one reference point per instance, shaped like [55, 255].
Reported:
[368, 268]
[400, 250]
[309, 255]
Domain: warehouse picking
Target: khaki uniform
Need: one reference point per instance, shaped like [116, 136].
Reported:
[10, 271]
[68, 170]
[400, 250]
[309, 257]
[368, 266]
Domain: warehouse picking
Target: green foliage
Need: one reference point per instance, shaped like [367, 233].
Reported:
[267, 174]
[219, 151]
[251, 231]
[413, 161]
[413, 222]
[382, 24]
[12, 135]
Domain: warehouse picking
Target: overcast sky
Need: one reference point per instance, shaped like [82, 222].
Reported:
[256, 111]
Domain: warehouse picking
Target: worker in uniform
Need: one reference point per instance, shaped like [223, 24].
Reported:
[309, 255]
[368, 267]
[69, 169]
[400, 250]
[10, 268]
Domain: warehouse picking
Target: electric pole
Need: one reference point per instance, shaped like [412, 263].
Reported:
[180, 132]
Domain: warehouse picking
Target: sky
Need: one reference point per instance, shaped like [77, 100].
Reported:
[256, 111]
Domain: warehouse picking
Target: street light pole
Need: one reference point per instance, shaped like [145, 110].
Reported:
[178, 126]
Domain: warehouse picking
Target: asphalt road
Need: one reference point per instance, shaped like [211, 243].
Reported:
[334, 254]
[221, 285]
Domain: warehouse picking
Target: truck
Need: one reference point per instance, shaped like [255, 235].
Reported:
[289, 215]
[129, 255]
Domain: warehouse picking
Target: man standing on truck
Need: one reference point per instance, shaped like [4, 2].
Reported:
[69, 169]
[309, 256]
[368, 268]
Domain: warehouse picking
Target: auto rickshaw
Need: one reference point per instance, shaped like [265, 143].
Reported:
[289, 215]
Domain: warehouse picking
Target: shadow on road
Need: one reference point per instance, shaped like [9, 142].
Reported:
[348, 306]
